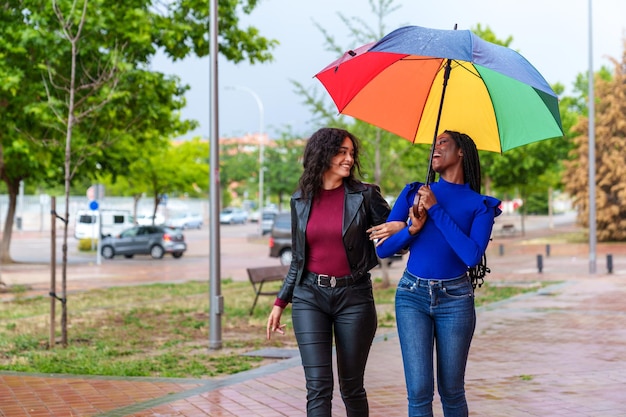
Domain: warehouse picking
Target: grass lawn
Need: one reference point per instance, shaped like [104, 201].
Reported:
[159, 330]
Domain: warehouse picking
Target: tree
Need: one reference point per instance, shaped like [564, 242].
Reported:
[530, 170]
[128, 33]
[71, 59]
[239, 167]
[165, 170]
[610, 152]
[283, 167]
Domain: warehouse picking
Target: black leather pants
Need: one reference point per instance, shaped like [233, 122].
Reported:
[350, 314]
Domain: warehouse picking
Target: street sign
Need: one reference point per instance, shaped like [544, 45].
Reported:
[95, 192]
[93, 205]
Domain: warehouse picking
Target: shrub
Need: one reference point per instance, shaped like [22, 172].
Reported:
[87, 244]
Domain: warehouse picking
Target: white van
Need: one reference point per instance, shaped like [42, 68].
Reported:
[113, 222]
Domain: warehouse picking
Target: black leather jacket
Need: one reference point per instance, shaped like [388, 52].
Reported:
[363, 207]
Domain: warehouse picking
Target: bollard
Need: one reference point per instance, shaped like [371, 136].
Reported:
[609, 263]
[548, 250]
[501, 249]
[540, 263]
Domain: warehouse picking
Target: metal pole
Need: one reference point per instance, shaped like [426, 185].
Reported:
[216, 303]
[259, 104]
[592, 156]
[53, 270]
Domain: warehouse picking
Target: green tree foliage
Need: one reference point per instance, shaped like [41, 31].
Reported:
[283, 167]
[610, 153]
[531, 171]
[239, 170]
[119, 104]
[163, 171]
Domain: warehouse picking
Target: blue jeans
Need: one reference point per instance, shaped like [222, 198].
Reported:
[346, 315]
[441, 314]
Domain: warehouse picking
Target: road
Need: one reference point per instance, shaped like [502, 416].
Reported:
[241, 247]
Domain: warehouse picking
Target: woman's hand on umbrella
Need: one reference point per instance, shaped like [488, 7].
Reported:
[417, 219]
[381, 232]
[427, 198]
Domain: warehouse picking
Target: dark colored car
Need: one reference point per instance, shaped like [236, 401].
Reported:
[280, 240]
[145, 240]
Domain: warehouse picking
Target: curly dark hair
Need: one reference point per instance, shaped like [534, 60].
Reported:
[321, 147]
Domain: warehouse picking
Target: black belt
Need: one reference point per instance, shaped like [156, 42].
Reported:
[331, 281]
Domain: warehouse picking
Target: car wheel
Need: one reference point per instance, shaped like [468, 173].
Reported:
[177, 254]
[156, 252]
[129, 256]
[285, 257]
[107, 252]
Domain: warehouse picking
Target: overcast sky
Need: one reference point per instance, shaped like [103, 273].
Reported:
[552, 34]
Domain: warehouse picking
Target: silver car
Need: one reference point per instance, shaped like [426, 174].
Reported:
[145, 240]
[233, 215]
[184, 221]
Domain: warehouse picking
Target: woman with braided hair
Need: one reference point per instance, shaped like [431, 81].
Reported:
[447, 239]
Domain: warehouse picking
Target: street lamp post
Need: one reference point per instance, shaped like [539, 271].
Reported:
[261, 148]
[592, 154]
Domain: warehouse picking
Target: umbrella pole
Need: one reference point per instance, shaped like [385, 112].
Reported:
[446, 77]
[429, 179]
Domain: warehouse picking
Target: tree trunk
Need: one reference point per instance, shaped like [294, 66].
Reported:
[5, 246]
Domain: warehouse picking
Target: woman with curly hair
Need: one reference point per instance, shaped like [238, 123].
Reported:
[328, 282]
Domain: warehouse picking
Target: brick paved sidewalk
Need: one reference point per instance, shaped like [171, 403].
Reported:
[557, 352]
[560, 351]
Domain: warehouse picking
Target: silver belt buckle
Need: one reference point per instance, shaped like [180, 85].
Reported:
[333, 280]
[319, 279]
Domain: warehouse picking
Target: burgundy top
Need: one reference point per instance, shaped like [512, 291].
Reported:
[325, 252]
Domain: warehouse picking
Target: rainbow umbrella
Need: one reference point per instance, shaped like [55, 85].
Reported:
[416, 79]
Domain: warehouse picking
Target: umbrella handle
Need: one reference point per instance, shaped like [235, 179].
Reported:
[416, 202]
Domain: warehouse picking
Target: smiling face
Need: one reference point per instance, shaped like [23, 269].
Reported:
[340, 165]
[447, 155]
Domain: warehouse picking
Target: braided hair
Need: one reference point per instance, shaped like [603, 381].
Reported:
[471, 175]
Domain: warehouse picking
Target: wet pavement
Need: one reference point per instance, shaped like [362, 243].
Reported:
[557, 351]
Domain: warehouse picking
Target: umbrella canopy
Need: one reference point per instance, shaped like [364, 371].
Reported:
[416, 79]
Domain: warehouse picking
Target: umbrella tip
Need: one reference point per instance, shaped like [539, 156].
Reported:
[455, 25]
[351, 53]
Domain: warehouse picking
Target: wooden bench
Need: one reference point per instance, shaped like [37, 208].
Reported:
[508, 230]
[261, 275]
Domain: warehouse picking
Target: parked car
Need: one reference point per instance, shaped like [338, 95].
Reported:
[233, 215]
[145, 240]
[280, 240]
[149, 219]
[267, 221]
[113, 222]
[184, 221]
